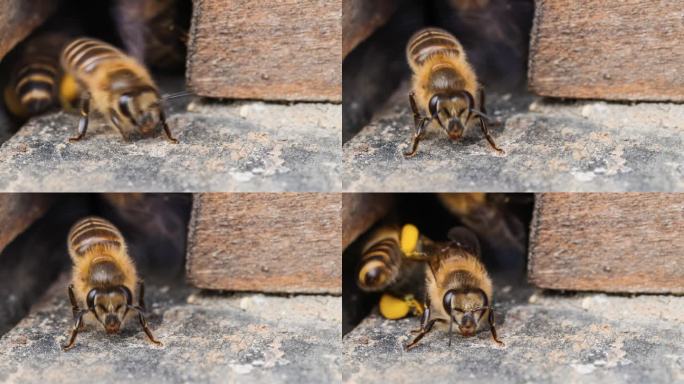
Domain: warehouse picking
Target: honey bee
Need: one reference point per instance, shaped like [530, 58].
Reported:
[387, 265]
[104, 278]
[32, 89]
[385, 254]
[458, 287]
[445, 85]
[117, 86]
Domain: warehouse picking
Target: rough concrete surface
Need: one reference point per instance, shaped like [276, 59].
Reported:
[246, 338]
[549, 146]
[243, 146]
[587, 338]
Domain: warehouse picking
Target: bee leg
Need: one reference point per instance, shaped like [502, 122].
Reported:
[483, 123]
[417, 117]
[75, 309]
[425, 317]
[492, 328]
[167, 131]
[419, 124]
[417, 137]
[74, 305]
[422, 333]
[78, 324]
[143, 323]
[141, 295]
[83, 122]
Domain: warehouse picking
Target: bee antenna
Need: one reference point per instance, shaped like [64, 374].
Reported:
[176, 95]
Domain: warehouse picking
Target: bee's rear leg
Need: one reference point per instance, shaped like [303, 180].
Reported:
[83, 122]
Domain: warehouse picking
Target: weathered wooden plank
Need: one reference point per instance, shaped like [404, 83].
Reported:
[267, 242]
[18, 212]
[272, 49]
[360, 18]
[622, 50]
[615, 242]
[19, 18]
[360, 211]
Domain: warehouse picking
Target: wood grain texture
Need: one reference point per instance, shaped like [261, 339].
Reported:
[18, 212]
[270, 49]
[613, 242]
[360, 18]
[619, 50]
[360, 211]
[18, 18]
[266, 242]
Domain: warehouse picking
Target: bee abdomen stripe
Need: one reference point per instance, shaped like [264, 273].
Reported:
[430, 41]
[34, 85]
[38, 68]
[92, 231]
[85, 54]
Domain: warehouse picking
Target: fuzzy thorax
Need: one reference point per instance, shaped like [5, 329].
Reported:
[425, 83]
[88, 271]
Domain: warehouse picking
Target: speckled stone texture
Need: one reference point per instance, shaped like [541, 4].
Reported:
[209, 338]
[585, 338]
[242, 146]
[549, 146]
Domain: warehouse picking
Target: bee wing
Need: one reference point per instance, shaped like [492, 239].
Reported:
[131, 26]
[465, 239]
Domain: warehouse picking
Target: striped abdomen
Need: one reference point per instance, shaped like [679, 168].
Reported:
[84, 55]
[428, 42]
[380, 263]
[93, 232]
[34, 85]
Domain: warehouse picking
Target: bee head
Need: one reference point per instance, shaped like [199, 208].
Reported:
[109, 306]
[449, 113]
[141, 109]
[467, 307]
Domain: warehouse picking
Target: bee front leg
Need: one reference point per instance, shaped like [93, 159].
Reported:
[492, 328]
[83, 122]
[419, 123]
[422, 333]
[165, 126]
[425, 326]
[424, 319]
[417, 137]
[78, 324]
[483, 123]
[75, 309]
[141, 295]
